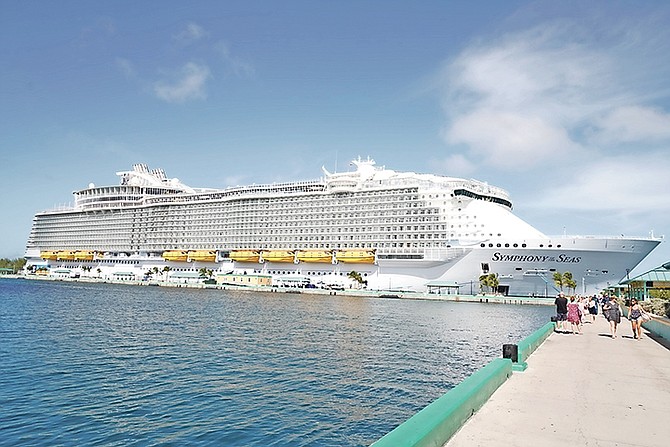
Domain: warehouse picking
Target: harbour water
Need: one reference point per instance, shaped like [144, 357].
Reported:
[115, 365]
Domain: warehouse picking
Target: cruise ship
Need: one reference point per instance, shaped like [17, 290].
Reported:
[397, 230]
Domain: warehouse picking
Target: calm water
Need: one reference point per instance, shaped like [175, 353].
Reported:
[101, 364]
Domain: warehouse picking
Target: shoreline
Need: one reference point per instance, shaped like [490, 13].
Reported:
[363, 293]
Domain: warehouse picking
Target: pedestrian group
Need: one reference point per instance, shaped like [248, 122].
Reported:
[573, 312]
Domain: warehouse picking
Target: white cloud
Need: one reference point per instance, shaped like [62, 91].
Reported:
[556, 90]
[234, 63]
[572, 117]
[191, 33]
[189, 85]
[510, 140]
[633, 124]
[625, 184]
[456, 165]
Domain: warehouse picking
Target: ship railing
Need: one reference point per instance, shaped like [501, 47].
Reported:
[613, 237]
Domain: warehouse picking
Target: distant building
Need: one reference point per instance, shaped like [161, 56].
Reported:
[239, 279]
[640, 287]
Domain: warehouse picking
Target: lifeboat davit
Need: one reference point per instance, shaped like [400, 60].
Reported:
[278, 255]
[245, 255]
[323, 256]
[355, 256]
[202, 255]
[175, 255]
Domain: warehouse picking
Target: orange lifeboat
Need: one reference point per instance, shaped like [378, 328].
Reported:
[202, 255]
[82, 255]
[323, 256]
[245, 255]
[175, 255]
[66, 255]
[52, 255]
[355, 256]
[278, 255]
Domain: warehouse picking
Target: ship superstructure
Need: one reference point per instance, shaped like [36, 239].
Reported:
[397, 229]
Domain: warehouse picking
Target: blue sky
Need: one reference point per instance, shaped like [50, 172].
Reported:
[564, 104]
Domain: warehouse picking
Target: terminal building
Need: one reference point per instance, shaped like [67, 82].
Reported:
[653, 283]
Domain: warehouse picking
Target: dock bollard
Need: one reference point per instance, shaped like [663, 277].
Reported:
[511, 351]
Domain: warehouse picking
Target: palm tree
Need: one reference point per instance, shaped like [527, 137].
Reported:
[559, 280]
[166, 271]
[483, 283]
[206, 273]
[355, 276]
[569, 282]
[494, 282]
[489, 282]
[99, 271]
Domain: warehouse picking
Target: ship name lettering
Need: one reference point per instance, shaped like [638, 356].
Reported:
[568, 259]
[497, 256]
[562, 258]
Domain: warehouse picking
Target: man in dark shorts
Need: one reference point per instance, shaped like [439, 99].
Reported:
[561, 311]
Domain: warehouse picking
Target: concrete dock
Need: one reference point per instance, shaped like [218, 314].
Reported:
[581, 390]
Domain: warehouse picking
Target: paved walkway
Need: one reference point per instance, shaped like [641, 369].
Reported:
[581, 390]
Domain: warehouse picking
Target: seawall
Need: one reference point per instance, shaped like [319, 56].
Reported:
[493, 299]
[436, 424]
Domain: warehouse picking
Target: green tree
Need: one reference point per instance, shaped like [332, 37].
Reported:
[356, 276]
[166, 271]
[494, 282]
[559, 280]
[14, 264]
[569, 281]
[206, 273]
[489, 283]
[483, 283]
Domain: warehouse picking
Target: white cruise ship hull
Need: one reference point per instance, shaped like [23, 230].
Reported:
[397, 230]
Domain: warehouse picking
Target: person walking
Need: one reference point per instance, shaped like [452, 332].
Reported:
[574, 316]
[635, 312]
[593, 308]
[612, 312]
[561, 303]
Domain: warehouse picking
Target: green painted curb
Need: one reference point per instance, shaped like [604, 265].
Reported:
[436, 423]
[529, 344]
